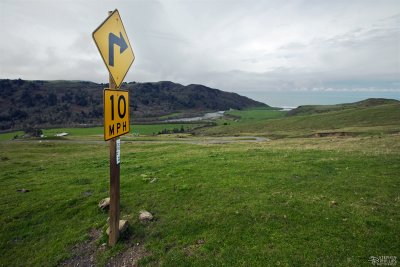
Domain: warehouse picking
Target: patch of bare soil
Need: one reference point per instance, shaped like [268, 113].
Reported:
[334, 134]
[128, 258]
[194, 248]
[86, 252]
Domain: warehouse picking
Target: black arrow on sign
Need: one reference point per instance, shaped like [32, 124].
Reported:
[120, 41]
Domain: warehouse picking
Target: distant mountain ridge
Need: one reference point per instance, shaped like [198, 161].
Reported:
[70, 103]
[314, 109]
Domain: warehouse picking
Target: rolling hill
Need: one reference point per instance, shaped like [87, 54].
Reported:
[71, 103]
[314, 109]
[371, 116]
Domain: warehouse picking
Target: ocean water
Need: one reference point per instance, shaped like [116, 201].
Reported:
[298, 98]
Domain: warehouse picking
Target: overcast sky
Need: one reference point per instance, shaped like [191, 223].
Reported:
[240, 46]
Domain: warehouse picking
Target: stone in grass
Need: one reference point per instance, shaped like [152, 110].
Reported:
[123, 225]
[104, 203]
[87, 193]
[200, 242]
[145, 216]
[333, 203]
[23, 190]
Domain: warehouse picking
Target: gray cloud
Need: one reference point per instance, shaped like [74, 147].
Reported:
[232, 45]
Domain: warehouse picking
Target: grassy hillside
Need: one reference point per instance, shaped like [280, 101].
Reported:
[369, 119]
[314, 109]
[255, 114]
[49, 104]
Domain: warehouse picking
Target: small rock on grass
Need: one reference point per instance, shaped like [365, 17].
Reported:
[145, 216]
[123, 225]
[23, 190]
[104, 203]
[333, 203]
[87, 193]
[200, 241]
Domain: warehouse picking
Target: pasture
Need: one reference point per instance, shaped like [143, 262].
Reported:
[299, 201]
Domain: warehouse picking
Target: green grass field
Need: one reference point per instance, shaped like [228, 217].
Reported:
[141, 129]
[10, 136]
[256, 114]
[296, 201]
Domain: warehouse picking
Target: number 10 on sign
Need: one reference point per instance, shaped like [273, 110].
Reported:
[116, 113]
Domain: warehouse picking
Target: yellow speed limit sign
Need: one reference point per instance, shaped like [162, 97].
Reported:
[116, 113]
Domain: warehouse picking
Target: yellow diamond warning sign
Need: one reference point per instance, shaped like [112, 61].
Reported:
[114, 47]
[116, 113]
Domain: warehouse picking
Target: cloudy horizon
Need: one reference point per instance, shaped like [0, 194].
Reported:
[247, 47]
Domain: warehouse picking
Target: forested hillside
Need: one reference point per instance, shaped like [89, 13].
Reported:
[70, 103]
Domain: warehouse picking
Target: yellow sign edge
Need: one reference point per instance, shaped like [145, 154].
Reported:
[130, 46]
[104, 112]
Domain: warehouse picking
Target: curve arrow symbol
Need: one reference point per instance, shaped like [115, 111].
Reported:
[112, 40]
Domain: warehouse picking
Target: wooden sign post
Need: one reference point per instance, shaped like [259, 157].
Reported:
[114, 47]
[114, 187]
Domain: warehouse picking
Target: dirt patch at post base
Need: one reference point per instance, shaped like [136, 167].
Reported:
[84, 254]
